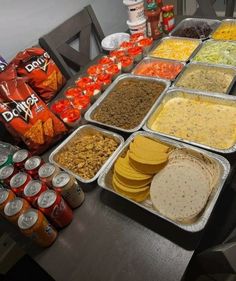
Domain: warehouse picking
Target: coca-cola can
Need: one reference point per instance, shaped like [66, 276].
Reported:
[19, 158]
[32, 166]
[18, 182]
[55, 208]
[6, 173]
[33, 190]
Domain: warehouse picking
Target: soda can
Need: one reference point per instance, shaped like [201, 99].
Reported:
[69, 188]
[32, 191]
[34, 225]
[55, 208]
[32, 166]
[6, 195]
[19, 158]
[47, 171]
[14, 208]
[18, 182]
[6, 173]
[5, 160]
[3, 64]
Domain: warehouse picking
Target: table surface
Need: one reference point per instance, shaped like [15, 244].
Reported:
[113, 239]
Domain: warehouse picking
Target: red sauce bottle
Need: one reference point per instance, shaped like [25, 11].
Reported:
[154, 28]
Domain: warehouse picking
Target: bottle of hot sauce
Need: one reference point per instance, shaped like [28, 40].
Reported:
[152, 14]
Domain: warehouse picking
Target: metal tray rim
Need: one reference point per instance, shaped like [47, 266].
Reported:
[179, 25]
[197, 93]
[57, 149]
[207, 65]
[158, 59]
[89, 112]
[179, 38]
[202, 221]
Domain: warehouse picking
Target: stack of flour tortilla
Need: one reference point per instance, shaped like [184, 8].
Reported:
[180, 191]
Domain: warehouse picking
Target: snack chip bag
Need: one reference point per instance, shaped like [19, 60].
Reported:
[44, 77]
[25, 115]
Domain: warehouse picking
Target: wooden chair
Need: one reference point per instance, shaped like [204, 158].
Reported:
[57, 42]
[206, 8]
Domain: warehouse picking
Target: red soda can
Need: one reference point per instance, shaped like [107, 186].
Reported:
[18, 182]
[19, 158]
[6, 173]
[32, 191]
[55, 208]
[32, 166]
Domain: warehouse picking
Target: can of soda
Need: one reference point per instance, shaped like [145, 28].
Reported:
[32, 191]
[19, 158]
[6, 195]
[32, 166]
[14, 208]
[18, 182]
[34, 225]
[69, 188]
[5, 159]
[47, 171]
[55, 208]
[3, 64]
[6, 173]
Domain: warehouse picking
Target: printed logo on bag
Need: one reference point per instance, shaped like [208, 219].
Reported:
[21, 109]
[41, 62]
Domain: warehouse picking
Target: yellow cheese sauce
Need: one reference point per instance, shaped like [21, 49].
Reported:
[226, 31]
[197, 120]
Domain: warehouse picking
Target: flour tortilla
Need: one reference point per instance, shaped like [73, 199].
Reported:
[180, 192]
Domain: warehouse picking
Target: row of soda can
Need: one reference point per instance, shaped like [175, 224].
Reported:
[35, 191]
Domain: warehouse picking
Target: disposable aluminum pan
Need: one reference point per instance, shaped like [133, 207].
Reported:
[232, 21]
[221, 99]
[105, 181]
[89, 114]
[196, 64]
[192, 60]
[150, 59]
[192, 22]
[81, 131]
[178, 38]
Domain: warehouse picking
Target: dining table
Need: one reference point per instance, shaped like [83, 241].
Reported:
[111, 239]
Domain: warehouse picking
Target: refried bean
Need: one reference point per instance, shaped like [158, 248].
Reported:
[128, 103]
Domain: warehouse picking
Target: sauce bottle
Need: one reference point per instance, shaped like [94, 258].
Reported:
[154, 28]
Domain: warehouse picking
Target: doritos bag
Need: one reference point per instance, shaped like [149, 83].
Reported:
[24, 114]
[44, 77]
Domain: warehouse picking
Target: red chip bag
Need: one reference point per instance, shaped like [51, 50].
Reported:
[44, 77]
[24, 114]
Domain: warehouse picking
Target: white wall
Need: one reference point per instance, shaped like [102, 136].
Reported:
[22, 22]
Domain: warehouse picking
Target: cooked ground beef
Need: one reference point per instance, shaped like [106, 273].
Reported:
[128, 103]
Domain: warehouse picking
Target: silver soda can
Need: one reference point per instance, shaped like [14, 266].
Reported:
[46, 173]
[69, 188]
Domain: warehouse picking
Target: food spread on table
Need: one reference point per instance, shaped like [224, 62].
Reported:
[128, 103]
[198, 119]
[206, 78]
[217, 52]
[177, 181]
[226, 31]
[175, 49]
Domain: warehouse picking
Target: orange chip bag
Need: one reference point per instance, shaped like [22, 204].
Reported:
[24, 114]
[44, 77]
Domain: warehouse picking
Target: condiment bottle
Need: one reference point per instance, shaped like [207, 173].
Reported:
[168, 18]
[154, 28]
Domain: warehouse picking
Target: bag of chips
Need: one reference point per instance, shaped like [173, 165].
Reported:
[44, 77]
[25, 115]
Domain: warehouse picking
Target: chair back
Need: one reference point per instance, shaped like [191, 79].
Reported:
[206, 8]
[81, 26]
